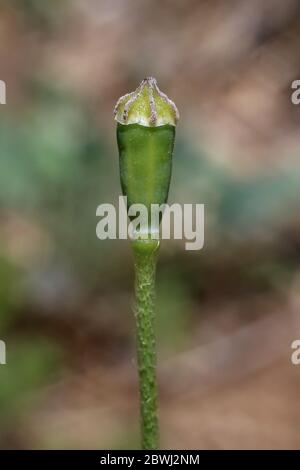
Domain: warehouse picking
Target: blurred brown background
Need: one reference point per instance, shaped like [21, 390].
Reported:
[227, 314]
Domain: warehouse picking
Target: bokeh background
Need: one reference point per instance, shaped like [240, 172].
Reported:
[227, 314]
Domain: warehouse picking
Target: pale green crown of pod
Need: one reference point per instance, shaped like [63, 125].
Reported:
[146, 106]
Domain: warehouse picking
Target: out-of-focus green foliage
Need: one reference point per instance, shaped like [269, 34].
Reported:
[44, 15]
[32, 363]
[173, 307]
[10, 294]
[56, 167]
[247, 208]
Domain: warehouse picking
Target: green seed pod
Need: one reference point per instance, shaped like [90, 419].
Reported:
[145, 135]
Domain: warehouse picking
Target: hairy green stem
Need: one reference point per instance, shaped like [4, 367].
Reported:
[145, 254]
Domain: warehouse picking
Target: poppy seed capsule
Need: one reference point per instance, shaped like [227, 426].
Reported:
[145, 134]
[146, 121]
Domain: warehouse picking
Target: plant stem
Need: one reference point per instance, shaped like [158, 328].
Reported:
[145, 254]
